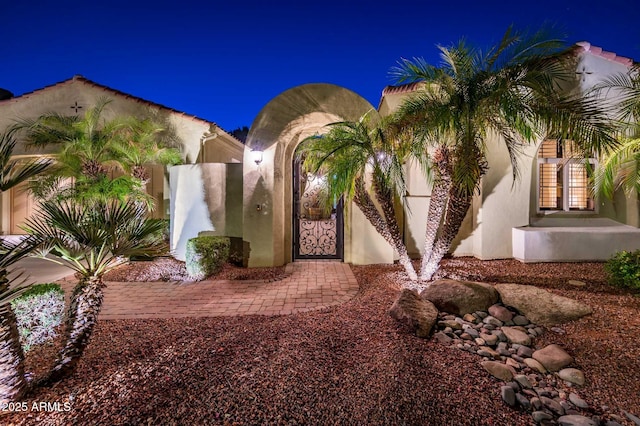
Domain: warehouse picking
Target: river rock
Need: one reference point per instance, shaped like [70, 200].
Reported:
[420, 314]
[572, 375]
[577, 401]
[535, 365]
[576, 420]
[460, 297]
[552, 357]
[516, 336]
[508, 395]
[539, 416]
[491, 339]
[552, 405]
[541, 306]
[499, 370]
[500, 312]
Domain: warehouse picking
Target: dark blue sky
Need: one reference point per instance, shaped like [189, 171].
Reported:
[223, 61]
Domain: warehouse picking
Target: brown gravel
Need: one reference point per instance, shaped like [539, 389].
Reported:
[351, 364]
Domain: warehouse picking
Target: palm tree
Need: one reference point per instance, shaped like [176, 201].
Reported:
[512, 90]
[140, 143]
[348, 155]
[90, 147]
[619, 167]
[13, 172]
[90, 241]
[12, 284]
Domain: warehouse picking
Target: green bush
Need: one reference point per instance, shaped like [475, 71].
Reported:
[624, 269]
[205, 256]
[38, 312]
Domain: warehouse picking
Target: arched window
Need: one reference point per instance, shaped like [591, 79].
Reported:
[563, 178]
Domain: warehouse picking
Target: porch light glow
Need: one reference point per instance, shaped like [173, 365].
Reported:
[256, 156]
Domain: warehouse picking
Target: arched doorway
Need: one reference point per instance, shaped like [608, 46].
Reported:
[318, 225]
[268, 186]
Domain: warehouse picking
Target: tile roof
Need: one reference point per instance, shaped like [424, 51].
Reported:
[403, 88]
[585, 46]
[119, 93]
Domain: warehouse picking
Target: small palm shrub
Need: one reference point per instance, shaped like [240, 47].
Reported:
[38, 312]
[205, 256]
[624, 269]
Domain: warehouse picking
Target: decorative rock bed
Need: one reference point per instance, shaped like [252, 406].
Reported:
[540, 381]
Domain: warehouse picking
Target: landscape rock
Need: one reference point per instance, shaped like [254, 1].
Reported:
[520, 320]
[539, 416]
[572, 375]
[541, 306]
[523, 381]
[442, 338]
[577, 401]
[552, 405]
[460, 297]
[508, 395]
[516, 336]
[499, 370]
[576, 283]
[420, 314]
[552, 357]
[576, 420]
[535, 365]
[631, 417]
[500, 312]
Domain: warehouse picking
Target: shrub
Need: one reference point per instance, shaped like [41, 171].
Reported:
[205, 255]
[38, 312]
[624, 269]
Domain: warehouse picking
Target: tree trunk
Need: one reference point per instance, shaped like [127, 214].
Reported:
[82, 316]
[12, 380]
[385, 199]
[457, 207]
[437, 204]
[368, 208]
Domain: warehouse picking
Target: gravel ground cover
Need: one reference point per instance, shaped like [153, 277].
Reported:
[351, 364]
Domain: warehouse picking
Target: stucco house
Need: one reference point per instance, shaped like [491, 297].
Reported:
[202, 141]
[257, 193]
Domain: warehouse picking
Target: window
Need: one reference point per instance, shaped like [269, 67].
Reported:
[563, 178]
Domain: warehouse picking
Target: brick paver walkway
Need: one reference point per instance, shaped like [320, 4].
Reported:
[308, 286]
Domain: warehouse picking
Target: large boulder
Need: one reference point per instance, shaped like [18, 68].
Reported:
[540, 306]
[420, 314]
[460, 297]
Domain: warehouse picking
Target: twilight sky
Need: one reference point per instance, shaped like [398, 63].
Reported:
[223, 61]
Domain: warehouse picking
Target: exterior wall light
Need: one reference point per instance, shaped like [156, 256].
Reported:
[256, 156]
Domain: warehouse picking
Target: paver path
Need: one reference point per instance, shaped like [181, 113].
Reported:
[308, 286]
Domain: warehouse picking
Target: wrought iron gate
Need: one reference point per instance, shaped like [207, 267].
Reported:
[317, 229]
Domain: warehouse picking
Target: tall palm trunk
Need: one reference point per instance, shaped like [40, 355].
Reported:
[385, 198]
[456, 210]
[12, 380]
[82, 316]
[365, 204]
[437, 204]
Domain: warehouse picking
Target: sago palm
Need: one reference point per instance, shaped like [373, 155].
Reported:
[350, 155]
[514, 91]
[12, 283]
[90, 241]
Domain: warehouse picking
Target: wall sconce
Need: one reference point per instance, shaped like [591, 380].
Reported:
[256, 156]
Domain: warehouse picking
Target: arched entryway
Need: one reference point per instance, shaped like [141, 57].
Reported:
[318, 224]
[268, 186]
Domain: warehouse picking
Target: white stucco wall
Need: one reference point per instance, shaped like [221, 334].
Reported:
[204, 197]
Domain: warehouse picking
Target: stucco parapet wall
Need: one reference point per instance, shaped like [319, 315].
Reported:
[573, 243]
